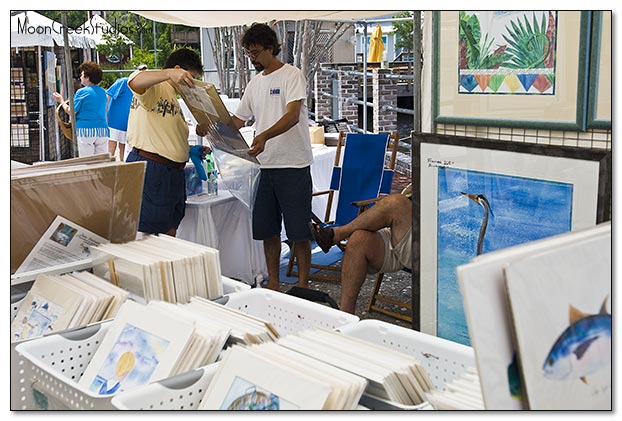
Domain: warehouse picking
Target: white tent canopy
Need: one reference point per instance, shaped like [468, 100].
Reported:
[222, 18]
[96, 27]
[29, 29]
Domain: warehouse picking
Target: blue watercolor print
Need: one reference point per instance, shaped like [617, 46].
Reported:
[522, 210]
[131, 362]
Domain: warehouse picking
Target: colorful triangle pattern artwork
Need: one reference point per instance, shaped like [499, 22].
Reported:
[507, 83]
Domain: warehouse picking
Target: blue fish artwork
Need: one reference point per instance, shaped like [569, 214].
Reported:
[583, 348]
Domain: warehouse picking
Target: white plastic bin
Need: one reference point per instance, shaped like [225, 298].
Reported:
[443, 360]
[45, 371]
[51, 367]
[229, 286]
[288, 314]
[177, 393]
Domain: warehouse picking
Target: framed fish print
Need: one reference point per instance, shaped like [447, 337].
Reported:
[600, 87]
[560, 302]
[475, 196]
[522, 69]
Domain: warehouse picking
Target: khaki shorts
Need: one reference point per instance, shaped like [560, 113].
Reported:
[398, 257]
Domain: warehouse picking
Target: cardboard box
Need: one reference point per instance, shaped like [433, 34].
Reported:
[317, 135]
[104, 198]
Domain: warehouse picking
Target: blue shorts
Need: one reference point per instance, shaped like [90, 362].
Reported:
[283, 194]
[164, 196]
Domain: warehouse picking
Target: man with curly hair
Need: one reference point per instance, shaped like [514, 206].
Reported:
[276, 99]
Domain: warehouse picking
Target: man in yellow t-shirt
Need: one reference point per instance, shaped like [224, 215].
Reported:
[158, 134]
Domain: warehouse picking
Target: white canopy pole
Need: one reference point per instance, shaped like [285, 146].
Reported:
[69, 82]
[41, 118]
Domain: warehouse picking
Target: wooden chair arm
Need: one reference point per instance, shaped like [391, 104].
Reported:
[365, 203]
[319, 193]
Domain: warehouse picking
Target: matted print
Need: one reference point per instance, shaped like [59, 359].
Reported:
[507, 52]
[560, 301]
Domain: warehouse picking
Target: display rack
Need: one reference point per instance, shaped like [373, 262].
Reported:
[25, 110]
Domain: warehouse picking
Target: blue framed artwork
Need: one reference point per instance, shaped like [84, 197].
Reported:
[476, 196]
[525, 69]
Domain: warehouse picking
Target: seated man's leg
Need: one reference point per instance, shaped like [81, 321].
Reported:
[365, 249]
[394, 211]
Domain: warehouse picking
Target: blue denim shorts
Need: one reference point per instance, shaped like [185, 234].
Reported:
[164, 196]
[283, 195]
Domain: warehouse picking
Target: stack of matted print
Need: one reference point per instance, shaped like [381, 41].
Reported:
[58, 302]
[391, 374]
[146, 343]
[539, 318]
[161, 267]
[272, 377]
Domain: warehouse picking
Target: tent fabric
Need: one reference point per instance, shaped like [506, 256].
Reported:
[376, 46]
[223, 18]
[97, 27]
[31, 29]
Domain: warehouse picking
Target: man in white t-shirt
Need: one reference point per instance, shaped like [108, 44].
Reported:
[276, 99]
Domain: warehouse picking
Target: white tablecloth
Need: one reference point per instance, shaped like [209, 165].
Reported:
[224, 223]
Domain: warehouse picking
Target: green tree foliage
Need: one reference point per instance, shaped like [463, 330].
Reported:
[114, 45]
[142, 57]
[403, 31]
[75, 18]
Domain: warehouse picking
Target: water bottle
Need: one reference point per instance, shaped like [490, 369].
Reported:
[212, 183]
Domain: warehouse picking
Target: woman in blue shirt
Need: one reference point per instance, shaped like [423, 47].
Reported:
[90, 107]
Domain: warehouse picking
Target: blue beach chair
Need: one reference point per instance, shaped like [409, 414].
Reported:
[364, 174]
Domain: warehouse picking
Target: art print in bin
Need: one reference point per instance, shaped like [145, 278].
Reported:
[131, 362]
[245, 396]
[39, 321]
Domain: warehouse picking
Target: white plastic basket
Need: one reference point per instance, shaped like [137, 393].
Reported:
[229, 286]
[177, 393]
[288, 314]
[52, 366]
[16, 303]
[443, 360]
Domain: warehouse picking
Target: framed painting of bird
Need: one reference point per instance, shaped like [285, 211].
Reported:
[472, 196]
